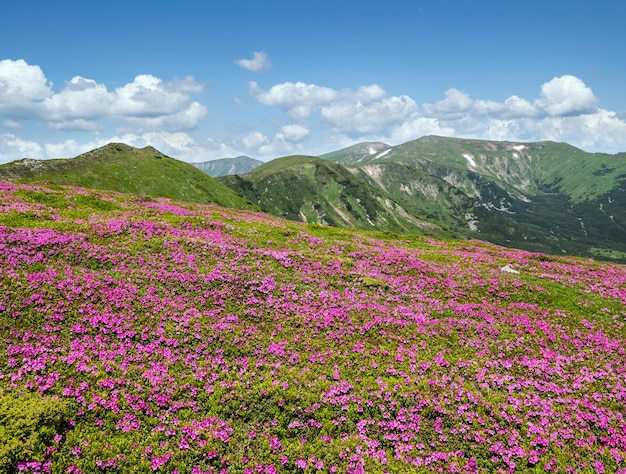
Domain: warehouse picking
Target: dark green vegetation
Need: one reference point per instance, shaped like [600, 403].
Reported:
[309, 189]
[28, 424]
[545, 196]
[119, 167]
[228, 166]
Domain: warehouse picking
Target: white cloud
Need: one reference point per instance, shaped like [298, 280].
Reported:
[148, 96]
[418, 127]
[566, 95]
[186, 119]
[82, 99]
[294, 132]
[374, 116]
[516, 107]
[148, 101]
[13, 148]
[367, 93]
[11, 124]
[455, 104]
[67, 149]
[365, 110]
[259, 62]
[296, 99]
[566, 110]
[22, 86]
[254, 140]
[317, 119]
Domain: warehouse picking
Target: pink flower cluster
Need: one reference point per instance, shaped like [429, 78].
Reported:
[200, 339]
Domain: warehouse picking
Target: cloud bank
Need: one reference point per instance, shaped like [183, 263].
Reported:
[565, 110]
[308, 118]
[146, 103]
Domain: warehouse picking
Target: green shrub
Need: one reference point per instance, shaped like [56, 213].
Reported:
[28, 424]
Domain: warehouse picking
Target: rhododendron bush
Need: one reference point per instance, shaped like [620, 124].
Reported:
[145, 335]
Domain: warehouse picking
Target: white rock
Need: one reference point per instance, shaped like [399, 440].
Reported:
[508, 269]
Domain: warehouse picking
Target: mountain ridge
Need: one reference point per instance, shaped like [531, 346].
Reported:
[540, 196]
[121, 167]
[227, 166]
[543, 196]
[310, 189]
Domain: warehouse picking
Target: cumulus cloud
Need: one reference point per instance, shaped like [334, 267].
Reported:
[13, 147]
[260, 62]
[560, 97]
[22, 86]
[373, 116]
[565, 110]
[254, 140]
[68, 148]
[317, 119]
[366, 109]
[25, 93]
[268, 146]
[294, 132]
[566, 96]
[297, 99]
[183, 120]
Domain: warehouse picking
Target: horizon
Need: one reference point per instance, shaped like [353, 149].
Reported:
[205, 81]
[302, 154]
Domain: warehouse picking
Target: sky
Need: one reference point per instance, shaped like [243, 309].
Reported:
[201, 80]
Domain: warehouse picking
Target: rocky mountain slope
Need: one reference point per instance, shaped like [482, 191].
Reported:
[545, 196]
[309, 189]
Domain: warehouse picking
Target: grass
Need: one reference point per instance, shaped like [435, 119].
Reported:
[119, 167]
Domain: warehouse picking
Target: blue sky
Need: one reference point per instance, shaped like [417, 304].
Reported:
[210, 79]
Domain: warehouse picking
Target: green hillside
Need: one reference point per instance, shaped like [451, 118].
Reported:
[361, 152]
[309, 189]
[545, 196]
[120, 167]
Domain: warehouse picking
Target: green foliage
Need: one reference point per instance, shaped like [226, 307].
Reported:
[28, 424]
[93, 202]
[53, 200]
[545, 196]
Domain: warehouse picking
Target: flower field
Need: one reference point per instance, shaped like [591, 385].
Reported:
[145, 335]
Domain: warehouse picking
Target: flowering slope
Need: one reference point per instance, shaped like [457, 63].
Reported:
[144, 335]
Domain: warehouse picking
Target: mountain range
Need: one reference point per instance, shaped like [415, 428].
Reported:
[227, 166]
[545, 196]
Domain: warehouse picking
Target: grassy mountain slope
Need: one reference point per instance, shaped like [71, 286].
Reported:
[148, 335]
[120, 167]
[361, 152]
[228, 166]
[544, 196]
[310, 189]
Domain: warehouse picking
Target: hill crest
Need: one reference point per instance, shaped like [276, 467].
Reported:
[121, 167]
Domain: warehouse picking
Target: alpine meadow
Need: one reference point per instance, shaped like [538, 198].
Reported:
[144, 333]
[330, 237]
